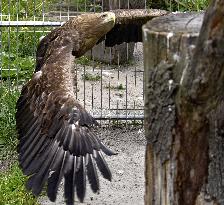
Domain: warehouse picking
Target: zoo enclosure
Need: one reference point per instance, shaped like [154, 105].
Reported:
[111, 90]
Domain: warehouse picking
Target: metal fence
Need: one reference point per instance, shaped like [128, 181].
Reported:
[110, 85]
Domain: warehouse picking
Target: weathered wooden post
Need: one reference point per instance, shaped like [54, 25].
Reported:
[119, 54]
[123, 4]
[184, 108]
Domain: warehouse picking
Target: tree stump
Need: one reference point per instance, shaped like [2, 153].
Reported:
[177, 155]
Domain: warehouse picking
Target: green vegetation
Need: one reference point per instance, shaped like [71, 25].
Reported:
[23, 9]
[118, 87]
[12, 181]
[179, 5]
[19, 44]
[91, 77]
[8, 133]
[12, 189]
[83, 60]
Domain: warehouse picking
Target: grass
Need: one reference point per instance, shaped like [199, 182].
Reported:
[8, 99]
[12, 188]
[118, 87]
[12, 181]
[83, 60]
[90, 77]
[179, 5]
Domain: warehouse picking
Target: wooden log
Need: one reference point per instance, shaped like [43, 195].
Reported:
[184, 106]
[169, 42]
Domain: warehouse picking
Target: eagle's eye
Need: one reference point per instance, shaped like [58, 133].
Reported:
[104, 16]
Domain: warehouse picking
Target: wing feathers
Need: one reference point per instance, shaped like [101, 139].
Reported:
[80, 180]
[56, 174]
[55, 142]
[70, 175]
[92, 174]
[102, 165]
[40, 178]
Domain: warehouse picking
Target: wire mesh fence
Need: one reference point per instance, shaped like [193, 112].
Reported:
[110, 80]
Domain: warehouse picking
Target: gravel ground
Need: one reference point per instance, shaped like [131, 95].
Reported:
[127, 186]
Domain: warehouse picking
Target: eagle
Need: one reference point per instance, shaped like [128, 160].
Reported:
[54, 130]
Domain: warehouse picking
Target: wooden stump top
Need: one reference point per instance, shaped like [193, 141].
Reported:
[177, 23]
[127, 16]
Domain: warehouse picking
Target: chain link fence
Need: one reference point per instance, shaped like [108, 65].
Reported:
[110, 80]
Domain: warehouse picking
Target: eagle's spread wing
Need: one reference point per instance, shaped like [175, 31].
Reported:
[128, 25]
[55, 141]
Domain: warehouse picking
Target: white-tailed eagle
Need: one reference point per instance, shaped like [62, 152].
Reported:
[55, 138]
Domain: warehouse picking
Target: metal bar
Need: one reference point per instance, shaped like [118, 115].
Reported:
[76, 76]
[102, 6]
[94, 6]
[9, 49]
[119, 117]
[134, 112]
[126, 97]
[30, 23]
[92, 97]
[1, 50]
[129, 109]
[84, 85]
[109, 94]
[101, 90]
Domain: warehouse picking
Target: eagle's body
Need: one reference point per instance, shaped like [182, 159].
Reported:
[54, 129]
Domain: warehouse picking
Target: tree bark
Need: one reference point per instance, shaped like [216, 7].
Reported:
[184, 108]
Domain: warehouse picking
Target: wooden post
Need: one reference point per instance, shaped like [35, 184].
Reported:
[184, 109]
[123, 4]
[122, 53]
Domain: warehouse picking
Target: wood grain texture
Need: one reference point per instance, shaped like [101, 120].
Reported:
[193, 49]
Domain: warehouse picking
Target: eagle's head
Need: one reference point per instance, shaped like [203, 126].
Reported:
[90, 28]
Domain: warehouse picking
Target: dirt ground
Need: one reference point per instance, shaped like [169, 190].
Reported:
[100, 100]
[127, 186]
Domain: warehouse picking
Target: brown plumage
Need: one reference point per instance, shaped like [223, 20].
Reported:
[55, 140]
